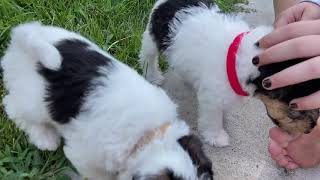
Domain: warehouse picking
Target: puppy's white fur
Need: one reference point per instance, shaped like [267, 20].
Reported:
[199, 42]
[98, 141]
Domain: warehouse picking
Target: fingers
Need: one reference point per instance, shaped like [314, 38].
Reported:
[290, 31]
[301, 47]
[301, 72]
[280, 137]
[312, 12]
[278, 142]
[300, 12]
[292, 165]
[307, 103]
[279, 155]
[275, 149]
[288, 16]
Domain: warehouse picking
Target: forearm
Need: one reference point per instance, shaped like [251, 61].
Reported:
[281, 5]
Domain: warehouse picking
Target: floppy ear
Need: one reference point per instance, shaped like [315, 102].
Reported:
[193, 146]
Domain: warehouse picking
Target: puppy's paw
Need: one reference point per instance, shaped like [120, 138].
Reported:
[217, 139]
[44, 138]
[221, 139]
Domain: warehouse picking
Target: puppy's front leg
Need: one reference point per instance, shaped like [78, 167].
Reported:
[210, 123]
[43, 136]
[149, 59]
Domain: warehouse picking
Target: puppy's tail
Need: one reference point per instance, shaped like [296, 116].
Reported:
[29, 38]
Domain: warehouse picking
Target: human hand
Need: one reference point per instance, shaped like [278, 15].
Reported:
[279, 140]
[292, 152]
[299, 12]
[296, 40]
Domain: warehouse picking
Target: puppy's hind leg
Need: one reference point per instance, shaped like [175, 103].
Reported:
[40, 133]
[149, 59]
[27, 89]
[210, 123]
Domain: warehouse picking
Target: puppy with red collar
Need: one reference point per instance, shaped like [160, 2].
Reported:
[214, 52]
[115, 125]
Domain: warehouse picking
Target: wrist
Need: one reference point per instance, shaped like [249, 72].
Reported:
[317, 2]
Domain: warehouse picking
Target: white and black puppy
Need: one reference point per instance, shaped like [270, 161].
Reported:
[195, 39]
[115, 125]
[216, 53]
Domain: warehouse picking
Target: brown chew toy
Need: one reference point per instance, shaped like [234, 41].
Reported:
[279, 113]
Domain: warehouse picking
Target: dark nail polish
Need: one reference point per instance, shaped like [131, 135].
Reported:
[255, 60]
[257, 44]
[266, 83]
[293, 106]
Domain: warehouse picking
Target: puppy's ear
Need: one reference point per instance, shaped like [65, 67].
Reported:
[193, 146]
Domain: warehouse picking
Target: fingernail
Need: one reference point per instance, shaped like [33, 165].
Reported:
[293, 106]
[255, 60]
[257, 44]
[266, 83]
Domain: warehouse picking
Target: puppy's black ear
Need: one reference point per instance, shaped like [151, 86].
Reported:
[193, 146]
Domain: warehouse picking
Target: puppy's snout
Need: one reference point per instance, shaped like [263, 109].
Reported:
[292, 121]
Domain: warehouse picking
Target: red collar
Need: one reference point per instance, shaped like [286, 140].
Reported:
[231, 65]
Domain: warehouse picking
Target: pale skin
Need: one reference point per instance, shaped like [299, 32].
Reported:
[296, 35]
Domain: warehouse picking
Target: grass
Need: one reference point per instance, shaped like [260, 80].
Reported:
[115, 25]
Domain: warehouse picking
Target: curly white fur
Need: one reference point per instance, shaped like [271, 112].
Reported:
[98, 141]
[199, 42]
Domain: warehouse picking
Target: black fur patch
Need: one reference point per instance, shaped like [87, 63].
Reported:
[164, 14]
[172, 176]
[68, 86]
[193, 146]
[285, 94]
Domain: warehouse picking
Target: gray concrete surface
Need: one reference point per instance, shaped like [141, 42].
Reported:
[247, 158]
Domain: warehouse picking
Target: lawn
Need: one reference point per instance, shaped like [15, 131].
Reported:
[115, 25]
